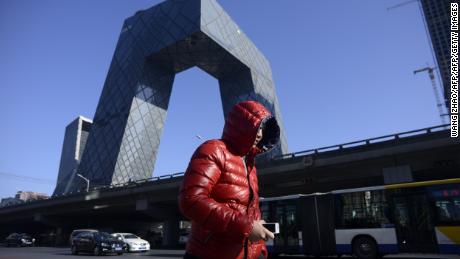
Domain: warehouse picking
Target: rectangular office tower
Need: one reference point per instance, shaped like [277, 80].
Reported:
[437, 17]
[76, 134]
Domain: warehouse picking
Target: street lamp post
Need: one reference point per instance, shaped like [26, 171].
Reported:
[87, 181]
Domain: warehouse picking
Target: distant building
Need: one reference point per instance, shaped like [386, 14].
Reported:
[76, 135]
[10, 201]
[437, 17]
[31, 196]
[22, 197]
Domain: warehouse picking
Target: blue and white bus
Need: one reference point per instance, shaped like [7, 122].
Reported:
[368, 222]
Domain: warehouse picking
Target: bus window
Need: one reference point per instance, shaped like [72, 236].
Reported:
[448, 210]
[264, 210]
[446, 201]
[401, 214]
[279, 217]
[367, 209]
[291, 229]
[338, 209]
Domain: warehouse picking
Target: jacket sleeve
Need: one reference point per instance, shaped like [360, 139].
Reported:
[195, 200]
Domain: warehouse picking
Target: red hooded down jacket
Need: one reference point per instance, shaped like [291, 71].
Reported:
[219, 194]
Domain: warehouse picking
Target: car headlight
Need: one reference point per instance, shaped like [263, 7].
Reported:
[33, 239]
[104, 244]
[23, 240]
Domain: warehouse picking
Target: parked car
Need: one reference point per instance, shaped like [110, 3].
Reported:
[97, 243]
[133, 242]
[78, 231]
[22, 239]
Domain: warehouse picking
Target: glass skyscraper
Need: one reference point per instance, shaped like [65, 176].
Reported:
[153, 46]
[76, 135]
[437, 17]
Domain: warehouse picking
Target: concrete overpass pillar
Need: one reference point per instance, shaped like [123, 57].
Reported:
[60, 227]
[171, 232]
[62, 236]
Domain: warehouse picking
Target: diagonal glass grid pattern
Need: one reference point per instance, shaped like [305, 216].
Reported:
[153, 46]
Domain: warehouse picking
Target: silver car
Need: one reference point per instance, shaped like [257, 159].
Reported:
[133, 242]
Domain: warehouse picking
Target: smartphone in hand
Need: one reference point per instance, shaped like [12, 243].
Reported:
[273, 227]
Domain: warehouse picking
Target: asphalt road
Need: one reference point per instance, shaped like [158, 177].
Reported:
[64, 253]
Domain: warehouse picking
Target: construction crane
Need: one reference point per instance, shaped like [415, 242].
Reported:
[428, 68]
[435, 89]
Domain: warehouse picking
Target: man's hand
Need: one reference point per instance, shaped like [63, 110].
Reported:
[260, 232]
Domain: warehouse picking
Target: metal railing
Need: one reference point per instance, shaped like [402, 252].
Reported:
[137, 182]
[365, 142]
[101, 188]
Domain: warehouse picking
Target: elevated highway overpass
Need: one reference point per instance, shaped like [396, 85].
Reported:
[136, 206]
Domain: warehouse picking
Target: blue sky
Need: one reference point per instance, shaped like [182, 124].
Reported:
[342, 71]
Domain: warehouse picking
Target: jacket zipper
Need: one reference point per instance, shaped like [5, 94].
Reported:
[207, 238]
[251, 192]
[251, 197]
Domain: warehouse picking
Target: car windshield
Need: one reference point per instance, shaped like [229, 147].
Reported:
[130, 236]
[104, 236]
[79, 235]
[25, 236]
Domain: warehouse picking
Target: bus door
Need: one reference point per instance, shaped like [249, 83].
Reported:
[287, 240]
[414, 223]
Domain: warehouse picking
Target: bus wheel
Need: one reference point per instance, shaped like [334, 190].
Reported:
[365, 248]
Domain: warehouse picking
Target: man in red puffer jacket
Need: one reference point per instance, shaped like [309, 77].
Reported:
[219, 193]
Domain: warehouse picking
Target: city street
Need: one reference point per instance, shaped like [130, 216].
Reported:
[322, 129]
[54, 253]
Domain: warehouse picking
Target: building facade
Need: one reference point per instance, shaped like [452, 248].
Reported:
[76, 135]
[437, 18]
[31, 196]
[22, 197]
[153, 46]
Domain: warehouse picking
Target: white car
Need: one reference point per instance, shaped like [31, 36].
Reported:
[133, 242]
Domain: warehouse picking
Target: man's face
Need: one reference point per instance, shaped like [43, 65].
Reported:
[258, 137]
